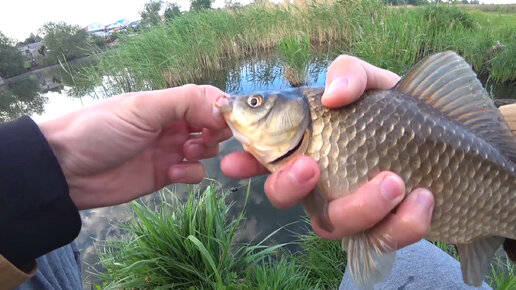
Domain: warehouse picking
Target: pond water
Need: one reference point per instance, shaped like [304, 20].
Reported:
[24, 97]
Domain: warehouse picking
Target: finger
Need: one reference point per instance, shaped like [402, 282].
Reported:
[154, 109]
[211, 92]
[195, 149]
[364, 208]
[187, 172]
[348, 77]
[291, 183]
[212, 137]
[241, 165]
[411, 221]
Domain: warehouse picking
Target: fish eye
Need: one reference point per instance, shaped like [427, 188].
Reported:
[255, 101]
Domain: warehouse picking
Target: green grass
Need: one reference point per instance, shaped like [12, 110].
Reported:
[184, 49]
[295, 56]
[192, 245]
[503, 274]
[500, 8]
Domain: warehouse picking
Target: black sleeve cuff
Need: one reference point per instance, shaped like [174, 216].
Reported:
[37, 214]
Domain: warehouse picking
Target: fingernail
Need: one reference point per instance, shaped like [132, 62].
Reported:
[337, 84]
[177, 173]
[391, 187]
[301, 173]
[425, 198]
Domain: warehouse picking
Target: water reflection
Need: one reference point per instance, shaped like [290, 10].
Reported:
[21, 98]
[261, 218]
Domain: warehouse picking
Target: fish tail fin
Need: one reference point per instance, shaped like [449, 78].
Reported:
[475, 258]
[370, 258]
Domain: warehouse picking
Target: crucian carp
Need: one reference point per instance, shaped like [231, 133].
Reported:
[437, 128]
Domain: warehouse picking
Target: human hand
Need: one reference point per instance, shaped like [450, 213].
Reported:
[371, 206]
[136, 143]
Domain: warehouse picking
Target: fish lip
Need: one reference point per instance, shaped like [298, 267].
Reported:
[224, 103]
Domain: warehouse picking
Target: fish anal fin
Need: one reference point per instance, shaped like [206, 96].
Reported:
[446, 82]
[475, 258]
[370, 258]
[315, 205]
[510, 248]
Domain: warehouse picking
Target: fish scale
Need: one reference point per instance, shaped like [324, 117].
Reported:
[426, 164]
[437, 128]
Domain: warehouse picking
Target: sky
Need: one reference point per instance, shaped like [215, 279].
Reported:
[20, 18]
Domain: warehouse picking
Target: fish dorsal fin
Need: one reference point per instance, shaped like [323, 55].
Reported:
[446, 82]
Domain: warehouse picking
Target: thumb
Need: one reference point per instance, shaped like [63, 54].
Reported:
[191, 103]
[348, 77]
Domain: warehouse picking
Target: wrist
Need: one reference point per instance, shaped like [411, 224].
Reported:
[55, 132]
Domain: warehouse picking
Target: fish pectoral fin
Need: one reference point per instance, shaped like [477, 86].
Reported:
[475, 258]
[370, 258]
[315, 205]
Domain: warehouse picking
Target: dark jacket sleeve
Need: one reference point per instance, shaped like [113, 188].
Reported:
[37, 214]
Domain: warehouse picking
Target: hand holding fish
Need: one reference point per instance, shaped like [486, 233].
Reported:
[370, 206]
[136, 143]
[436, 128]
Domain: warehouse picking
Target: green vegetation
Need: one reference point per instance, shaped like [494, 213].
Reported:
[498, 8]
[12, 60]
[503, 274]
[295, 55]
[150, 13]
[33, 38]
[63, 41]
[199, 5]
[192, 245]
[20, 98]
[177, 51]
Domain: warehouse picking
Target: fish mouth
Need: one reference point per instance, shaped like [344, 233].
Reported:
[224, 103]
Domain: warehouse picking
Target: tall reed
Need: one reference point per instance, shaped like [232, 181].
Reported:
[295, 56]
[179, 51]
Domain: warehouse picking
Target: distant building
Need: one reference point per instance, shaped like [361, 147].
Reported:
[95, 28]
[134, 24]
[31, 52]
[117, 26]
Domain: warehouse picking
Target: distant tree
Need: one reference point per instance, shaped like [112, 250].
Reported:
[33, 38]
[232, 4]
[417, 2]
[396, 2]
[20, 98]
[172, 11]
[150, 13]
[197, 5]
[63, 40]
[12, 60]
[407, 2]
